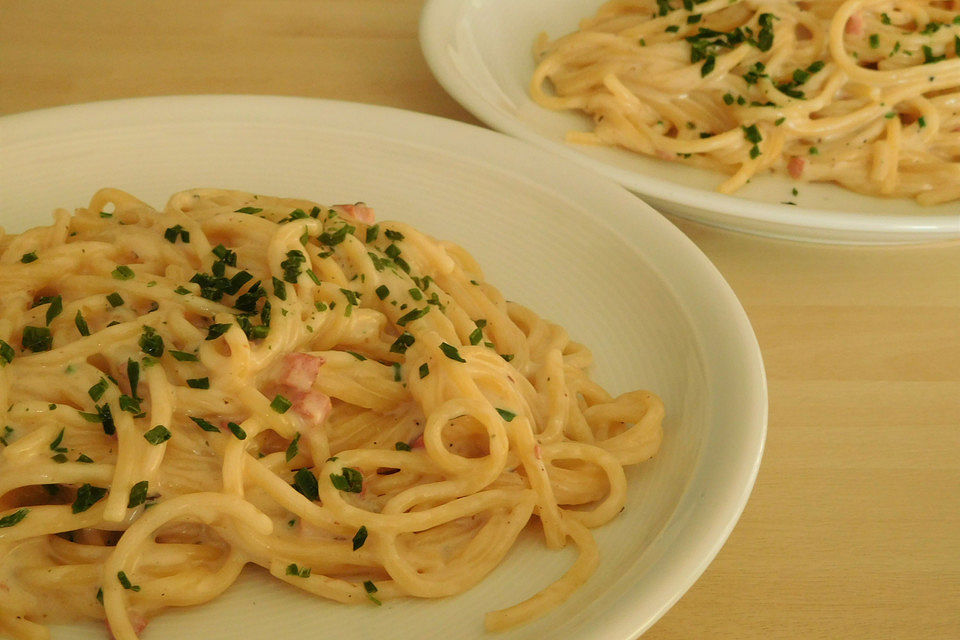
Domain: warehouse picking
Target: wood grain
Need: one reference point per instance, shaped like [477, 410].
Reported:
[853, 529]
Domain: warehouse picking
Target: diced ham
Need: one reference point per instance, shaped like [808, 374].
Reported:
[300, 370]
[358, 211]
[295, 382]
[537, 452]
[418, 443]
[795, 166]
[855, 24]
[313, 406]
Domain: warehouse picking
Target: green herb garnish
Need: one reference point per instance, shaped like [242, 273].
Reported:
[157, 435]
[138, 494]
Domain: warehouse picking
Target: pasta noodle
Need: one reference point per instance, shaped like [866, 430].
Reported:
[863, 93]
[242, 379]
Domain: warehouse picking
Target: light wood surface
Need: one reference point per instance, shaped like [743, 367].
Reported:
[853, 528]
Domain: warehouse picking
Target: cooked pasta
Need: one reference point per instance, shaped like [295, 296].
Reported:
[242, 379]
[863, 93]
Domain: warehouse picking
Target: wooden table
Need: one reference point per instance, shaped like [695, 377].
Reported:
[853, 529]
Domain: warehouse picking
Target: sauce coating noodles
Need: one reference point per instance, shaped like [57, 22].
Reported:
[242, 379]
[863, 93]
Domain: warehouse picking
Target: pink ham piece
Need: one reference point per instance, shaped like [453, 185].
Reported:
[795, 166]
[855, 24]
[299, 372]
[313, 406]
[358, 211]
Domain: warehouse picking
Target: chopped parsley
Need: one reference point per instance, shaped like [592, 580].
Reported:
[125, 581]
[216, 330]
[349, 480]
[151, 343]
[293, 448]
[81, 324]
[477, 334]
[198, 383]
[205, 425]
[122, 272]
[306, 484]
[55, 444]
[752, 134]
[506, 415]
[410, 316]
[293, 265]
[138, 494]
[351, 296]
[37, 339]
[133, 375]
[280, 404]
[451, 352]
[224, 255]
[129, 404]
[401, 344]
[6, 353]
[87, 496]
[371, 588]
[55, 308]
[14, 518]
[359, 537]
[294, 570]
[929, 58]
[174, 232]
[708, 65]
[104, 416]
[237, 430]
[335, 238]
[279, 289]
[157, 435]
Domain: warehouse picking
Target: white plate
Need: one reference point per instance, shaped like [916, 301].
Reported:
[481, 52]
[571, 244]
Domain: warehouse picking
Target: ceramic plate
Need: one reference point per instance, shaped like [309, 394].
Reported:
[481, 52]
[569, 243]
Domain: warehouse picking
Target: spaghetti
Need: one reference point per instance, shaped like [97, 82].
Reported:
[243, 379]
[863, 93]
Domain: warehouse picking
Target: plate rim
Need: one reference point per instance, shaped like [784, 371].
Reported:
[438, 25]
[748, 455]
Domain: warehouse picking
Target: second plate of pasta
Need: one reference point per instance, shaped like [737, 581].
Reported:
[742, 115]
